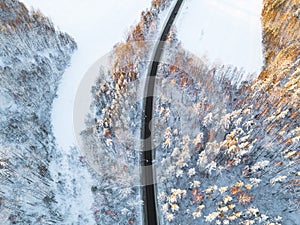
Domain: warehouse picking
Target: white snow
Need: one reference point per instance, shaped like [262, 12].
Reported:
[227, 31]
[76, 199]
[6, 102]
[1, 63]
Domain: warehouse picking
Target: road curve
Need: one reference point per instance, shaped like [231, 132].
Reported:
[148, 178]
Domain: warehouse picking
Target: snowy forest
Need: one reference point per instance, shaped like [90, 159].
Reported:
[33, 57]
[226, 149]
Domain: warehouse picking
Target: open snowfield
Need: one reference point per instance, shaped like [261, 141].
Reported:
[227, 31]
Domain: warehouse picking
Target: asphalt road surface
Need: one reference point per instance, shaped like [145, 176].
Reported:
[148, 154]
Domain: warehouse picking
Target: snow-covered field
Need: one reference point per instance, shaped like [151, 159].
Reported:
[227, 31]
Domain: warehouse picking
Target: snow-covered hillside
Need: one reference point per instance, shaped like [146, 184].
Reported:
[34, 56]
[227, 31]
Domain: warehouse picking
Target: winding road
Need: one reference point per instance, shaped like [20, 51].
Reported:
[148, 178]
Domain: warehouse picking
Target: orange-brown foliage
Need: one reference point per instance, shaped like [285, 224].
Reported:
[244, 198]
[235, 190]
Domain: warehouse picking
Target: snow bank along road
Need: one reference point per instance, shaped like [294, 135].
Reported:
[147, 173]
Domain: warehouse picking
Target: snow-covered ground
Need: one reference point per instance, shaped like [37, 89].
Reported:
[227, 31]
